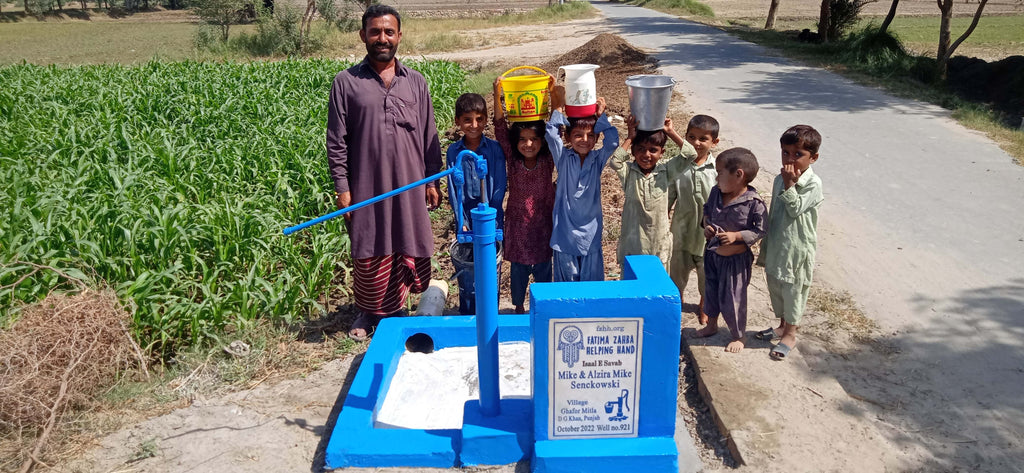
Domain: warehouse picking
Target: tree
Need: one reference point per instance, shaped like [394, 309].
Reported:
[823, 20]
[945, 49]
[889, 16]
[222, 13]
[772, 9]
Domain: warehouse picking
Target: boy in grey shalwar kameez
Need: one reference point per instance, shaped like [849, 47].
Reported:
[734, 219]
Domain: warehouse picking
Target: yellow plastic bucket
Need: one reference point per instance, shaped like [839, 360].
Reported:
[526, 96]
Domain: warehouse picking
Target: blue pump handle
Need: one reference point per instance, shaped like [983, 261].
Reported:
[456, 169]
[458, 179]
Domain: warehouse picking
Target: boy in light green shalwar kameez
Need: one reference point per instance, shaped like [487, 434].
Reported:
[646, 184]
[791, 243]
[688, 194]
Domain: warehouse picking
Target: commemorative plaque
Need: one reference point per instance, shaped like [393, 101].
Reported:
[594, 388]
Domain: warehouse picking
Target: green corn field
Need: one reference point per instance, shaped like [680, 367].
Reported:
[171, 183]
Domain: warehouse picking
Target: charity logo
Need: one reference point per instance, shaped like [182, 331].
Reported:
[570, 343]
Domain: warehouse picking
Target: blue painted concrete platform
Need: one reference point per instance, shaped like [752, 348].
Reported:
[638, 437]
[355, 441]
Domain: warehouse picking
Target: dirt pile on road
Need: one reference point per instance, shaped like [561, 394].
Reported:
[618, 60]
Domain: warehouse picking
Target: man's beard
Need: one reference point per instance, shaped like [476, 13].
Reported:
[381, 56]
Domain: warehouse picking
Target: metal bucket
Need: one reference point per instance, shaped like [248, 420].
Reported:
[649, 97]
[462, 260]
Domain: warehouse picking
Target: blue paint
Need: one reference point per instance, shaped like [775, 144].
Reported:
[497, 440]
[486, 284]
[356, 442]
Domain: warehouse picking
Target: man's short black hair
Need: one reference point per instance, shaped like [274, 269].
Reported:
[804, 136]
[470, 102]
[704, 122]
[378, 10]
[739, 158]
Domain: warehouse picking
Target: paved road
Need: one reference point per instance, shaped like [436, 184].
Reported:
[923, 224]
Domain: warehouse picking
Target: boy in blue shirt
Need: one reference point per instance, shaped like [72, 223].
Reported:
[471, 118]
[578, 222]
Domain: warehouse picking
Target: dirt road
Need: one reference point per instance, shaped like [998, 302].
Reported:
[922, 223]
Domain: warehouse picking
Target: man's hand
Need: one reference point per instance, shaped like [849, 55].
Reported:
[433, 198]
[790, 174]
[344, 200]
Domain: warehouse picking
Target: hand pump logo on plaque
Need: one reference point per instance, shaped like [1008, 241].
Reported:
[595, 377]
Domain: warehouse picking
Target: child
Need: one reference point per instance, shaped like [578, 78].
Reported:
[734, 219]
[791, 243]
[471, 118]
[688, 195]
[577, 220]
[646, 183]
[531, 196]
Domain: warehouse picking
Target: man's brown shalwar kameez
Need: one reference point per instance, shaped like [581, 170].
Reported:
[379, 139]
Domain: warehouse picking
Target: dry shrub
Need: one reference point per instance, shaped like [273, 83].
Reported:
[57, 355]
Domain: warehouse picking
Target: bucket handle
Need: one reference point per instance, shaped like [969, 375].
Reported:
[542, 71]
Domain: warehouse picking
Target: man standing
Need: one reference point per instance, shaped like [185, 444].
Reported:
[381, 135]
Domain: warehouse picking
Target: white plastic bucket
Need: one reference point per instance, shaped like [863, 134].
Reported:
[580, 89]
[649, 97]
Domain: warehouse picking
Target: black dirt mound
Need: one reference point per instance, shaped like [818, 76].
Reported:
[607, 50]
[999, 83]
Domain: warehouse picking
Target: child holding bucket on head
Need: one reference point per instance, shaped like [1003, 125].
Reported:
[646, 183]
[471, 119]
[687, 195]
[531, 197]
[791, 244]
[734, 219]
[577, 219]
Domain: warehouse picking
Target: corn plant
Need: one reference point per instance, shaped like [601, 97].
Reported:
[171, 182]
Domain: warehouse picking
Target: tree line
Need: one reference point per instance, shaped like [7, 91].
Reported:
[38, 7]
[837, 16]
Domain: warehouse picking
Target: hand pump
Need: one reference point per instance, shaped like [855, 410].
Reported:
[484, 237]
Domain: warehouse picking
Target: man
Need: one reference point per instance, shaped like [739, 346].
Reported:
[381, 136]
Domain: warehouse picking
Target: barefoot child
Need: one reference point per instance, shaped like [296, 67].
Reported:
[531, 196]
[688, 194]
[577, 219]
[734, 219]
[791, 243]
[646, 183]
[471, 118]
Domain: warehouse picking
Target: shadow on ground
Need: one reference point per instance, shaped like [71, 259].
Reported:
[949, 391]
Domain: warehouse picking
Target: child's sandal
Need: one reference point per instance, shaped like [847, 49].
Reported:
[780, 352]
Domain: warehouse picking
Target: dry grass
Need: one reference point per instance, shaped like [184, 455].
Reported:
[832, 312]
[57, 356]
